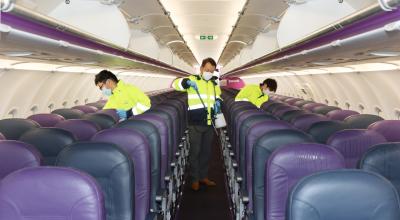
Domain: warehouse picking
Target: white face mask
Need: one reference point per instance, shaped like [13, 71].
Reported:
[267, 92]
[207, 76]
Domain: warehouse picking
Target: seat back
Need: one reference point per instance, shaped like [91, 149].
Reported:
[83, 130]
[15, 155]
[153, 137]
[263, 148]
[390, 129]
[290, 115]
[46, 120]
[312, 106]
[113, 170]
[384, 159]
[354, 143]
[68, 113]
[102, 120]
[301, 103]
[111, 112]
[49, 141]
[361, 121]
[86, 108]
[13, 128]
[344, 195]
[321, 131]
[304, 122]
[40, 193]
[290, 163]
[323, 110]
[137, 147]
[340, 115]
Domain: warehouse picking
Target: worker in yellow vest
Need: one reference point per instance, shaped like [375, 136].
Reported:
[127, 99]
[257, 94]
[204, 99]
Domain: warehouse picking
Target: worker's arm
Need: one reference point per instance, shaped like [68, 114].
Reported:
[261, 100]
[180, 84]
[243, 95]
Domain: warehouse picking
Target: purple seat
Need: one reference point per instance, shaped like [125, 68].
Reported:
[325, 109]
[282, 110]
[46, 119]
[353, 143]
[15, 155]
[98, 105]
[68, 113]
[266, 105]
[104, 121]
[289, 164]
[291, 101]
[340, 115]
[312, 106]
[301, 103]
[13, 128]
[361, 121]
[83, 130]
[390, 129]
[304, 122]
[110, 112]
[2, 137]
[40, 193]
[163, 131]
[86, 108]
[253, 134]
[137, 147]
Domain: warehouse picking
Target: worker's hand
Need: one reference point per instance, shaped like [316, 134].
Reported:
[192, 84]
[217, 106]
[122, 114]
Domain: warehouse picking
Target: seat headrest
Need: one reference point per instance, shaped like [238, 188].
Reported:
[113, 170]
[323, 110]
[13, 128]
[341, 114]
[291, 101]
[321, 131]
[68, 113]
[301, 103]
[47, 120]
[49, 141]
[104, 121]
[304, 122]
[312, 106]
[137, 147]
[390, 129]
[83, 130]
[344, 195]
[361, 121]
[15, 155]
[50, 192]
[384, 159]
[110, 112]
[86, 108]
[283, 109]
[290, 115]
[290, 163]
[353, 143]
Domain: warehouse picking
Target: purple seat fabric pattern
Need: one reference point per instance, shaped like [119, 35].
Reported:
[304, 122]
[290, 163]
[15, 155]
[46, 119]
[353, 143]
[86, 108]
[390, 129]
[82, 129]
[340, 115]
[136, 146]
[50, 193]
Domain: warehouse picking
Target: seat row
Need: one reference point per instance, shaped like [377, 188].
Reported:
[268, 151]
[132, 169]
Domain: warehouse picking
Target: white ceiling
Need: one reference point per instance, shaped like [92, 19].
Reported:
[205, 17]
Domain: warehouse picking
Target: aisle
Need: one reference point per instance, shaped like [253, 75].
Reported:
[209, 203]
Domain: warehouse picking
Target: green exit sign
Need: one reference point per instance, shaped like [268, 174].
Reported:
[206, 37]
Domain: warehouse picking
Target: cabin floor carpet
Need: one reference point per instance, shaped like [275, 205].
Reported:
[209, 203]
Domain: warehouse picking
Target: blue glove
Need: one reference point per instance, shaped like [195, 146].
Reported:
[217, 106]
[122, 114]
[192, 84]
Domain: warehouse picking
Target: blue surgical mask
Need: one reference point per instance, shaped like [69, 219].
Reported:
[106, 92]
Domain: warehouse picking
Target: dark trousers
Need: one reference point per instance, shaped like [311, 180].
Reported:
[201, 140]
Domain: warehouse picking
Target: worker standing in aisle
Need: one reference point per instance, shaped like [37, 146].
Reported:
[127, 99]
[204, 103]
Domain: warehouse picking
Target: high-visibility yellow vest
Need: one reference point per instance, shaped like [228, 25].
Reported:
[209, 91]
[253, 94]
[126, 97]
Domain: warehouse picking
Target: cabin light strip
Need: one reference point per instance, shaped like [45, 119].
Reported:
[365, 67]
[6, 64]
